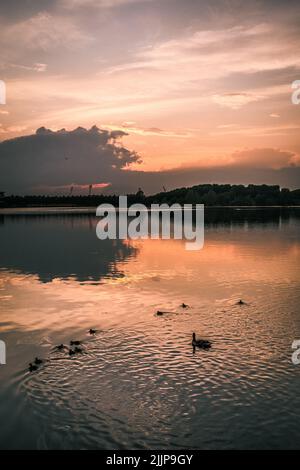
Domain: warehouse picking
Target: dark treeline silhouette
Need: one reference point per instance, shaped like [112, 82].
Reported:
[208, 194]
[229, 195]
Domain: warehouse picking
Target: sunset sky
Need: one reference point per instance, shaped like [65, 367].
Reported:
[200, 87]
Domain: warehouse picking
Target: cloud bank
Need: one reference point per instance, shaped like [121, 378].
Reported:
[50, 162]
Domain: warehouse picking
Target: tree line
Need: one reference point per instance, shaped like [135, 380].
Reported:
[208, 194]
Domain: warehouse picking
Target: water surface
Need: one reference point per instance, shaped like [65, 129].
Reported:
[138, 383]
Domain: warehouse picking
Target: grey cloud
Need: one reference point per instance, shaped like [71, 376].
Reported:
[62, 158]
[259, 79]
[49, 161]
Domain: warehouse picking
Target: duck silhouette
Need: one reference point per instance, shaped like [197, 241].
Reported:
[92, 331]
[241, 302]
[200, 343]
[183, 305]
[60, 347]
[162, 312]
[75, 342]
[38, 361]
[75, 351]
[32, 367]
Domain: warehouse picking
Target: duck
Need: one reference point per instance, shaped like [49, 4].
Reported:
[200, 343]
[241, 302]
[60, 347]
[38, 361]
[92, 331]
[183, 305]
[162, 312]
[75, 342]
[32, 367]
[75, 351]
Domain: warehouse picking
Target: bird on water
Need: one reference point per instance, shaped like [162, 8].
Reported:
[75, 342]
[200, 343]
[32, 367]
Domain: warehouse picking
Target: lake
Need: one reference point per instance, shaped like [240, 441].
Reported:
[137, 384]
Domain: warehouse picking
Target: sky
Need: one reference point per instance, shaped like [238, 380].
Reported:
[148, 93]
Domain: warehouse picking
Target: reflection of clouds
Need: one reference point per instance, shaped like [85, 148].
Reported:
[60, 247]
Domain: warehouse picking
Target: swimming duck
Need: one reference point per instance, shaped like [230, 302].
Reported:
[162, 312]
[75, 343]
[200, 343]
[241, 302]
[92, 331]
[32, 367]
[183, 305]
[60, 347]
[38, 361]
[75, 351]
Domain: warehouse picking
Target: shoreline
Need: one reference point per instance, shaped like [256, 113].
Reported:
[54, 210]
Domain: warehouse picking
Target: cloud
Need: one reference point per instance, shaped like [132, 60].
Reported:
[235, 100]
[252, 158]
[98, 3]
[41, 32]
[53, 159]
[11, 129]
[132, 128]
[264, 158]
[214, 53]
[37, 67]
[257, 131]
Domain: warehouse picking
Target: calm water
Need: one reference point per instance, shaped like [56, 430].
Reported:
[138, 383]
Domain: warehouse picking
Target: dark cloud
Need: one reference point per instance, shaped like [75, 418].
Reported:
[53, 159]
[50, 162]
[16, 10]
[260, 79]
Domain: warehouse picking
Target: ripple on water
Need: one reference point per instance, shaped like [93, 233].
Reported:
[131, 389]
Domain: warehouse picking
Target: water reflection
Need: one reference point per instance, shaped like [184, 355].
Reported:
[60, 246]
[138, 383]
[64, 245]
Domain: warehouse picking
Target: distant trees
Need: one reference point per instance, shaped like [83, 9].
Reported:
[208, 194]
[230, 195]
[210, 199]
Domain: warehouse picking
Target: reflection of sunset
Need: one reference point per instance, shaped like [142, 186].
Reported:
[162, 271]
[139, 368]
